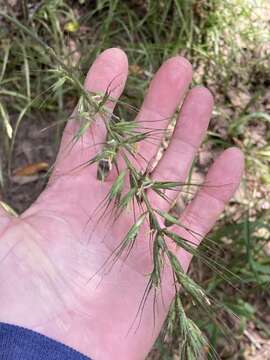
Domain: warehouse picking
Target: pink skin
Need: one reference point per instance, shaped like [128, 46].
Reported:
[51, 255]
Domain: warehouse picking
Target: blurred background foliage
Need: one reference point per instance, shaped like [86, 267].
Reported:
[228, 43]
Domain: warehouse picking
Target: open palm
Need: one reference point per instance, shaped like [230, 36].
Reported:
[53, 279]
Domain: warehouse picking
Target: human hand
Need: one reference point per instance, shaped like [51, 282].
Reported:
[51, 256]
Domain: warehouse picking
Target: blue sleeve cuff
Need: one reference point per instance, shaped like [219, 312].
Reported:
[17, 343]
